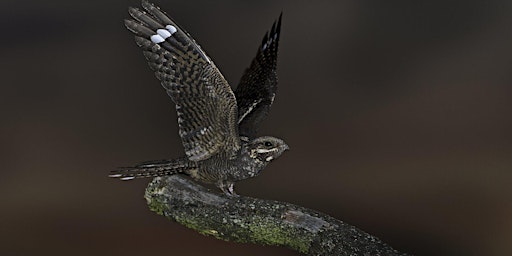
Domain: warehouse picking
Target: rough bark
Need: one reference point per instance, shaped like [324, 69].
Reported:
[250, 220]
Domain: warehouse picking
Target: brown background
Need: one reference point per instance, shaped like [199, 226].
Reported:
[398, 115]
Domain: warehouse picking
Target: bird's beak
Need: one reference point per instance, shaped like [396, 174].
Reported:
[285, 147]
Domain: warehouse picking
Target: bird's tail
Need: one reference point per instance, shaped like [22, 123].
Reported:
[154, 169]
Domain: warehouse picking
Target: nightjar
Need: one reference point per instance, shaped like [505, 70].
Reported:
[217, 126]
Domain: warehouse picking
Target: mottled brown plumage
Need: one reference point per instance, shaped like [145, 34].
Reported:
[210, 117]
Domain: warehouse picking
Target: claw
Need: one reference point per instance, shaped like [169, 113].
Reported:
[228, 188]
[231, 190]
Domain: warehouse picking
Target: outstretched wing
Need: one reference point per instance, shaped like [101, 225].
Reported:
[205, 104]
[257, 88]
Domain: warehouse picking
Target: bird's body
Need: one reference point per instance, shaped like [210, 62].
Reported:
[217, 125]
[221, 170]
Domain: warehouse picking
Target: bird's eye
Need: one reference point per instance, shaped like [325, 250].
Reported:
[268, 144]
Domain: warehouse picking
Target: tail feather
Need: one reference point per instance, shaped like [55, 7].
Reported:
[153, 169]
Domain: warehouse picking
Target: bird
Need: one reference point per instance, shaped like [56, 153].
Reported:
[217, 125]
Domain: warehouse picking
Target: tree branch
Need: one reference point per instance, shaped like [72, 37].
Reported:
[244, 219]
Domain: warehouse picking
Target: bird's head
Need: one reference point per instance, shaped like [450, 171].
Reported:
[266, 148]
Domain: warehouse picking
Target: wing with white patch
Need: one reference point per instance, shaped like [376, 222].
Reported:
[206, 106]
[257, 88]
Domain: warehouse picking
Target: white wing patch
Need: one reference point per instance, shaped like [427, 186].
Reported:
[171, 29]
[162, 34]
[157, 39]
[249, 110]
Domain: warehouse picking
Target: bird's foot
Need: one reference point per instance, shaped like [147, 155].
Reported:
[228, 189]
[231, 190]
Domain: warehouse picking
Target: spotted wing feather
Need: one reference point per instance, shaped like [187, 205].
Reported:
[205, 104]
[257, 88]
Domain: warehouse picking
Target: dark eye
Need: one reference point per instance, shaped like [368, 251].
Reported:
[268, 144]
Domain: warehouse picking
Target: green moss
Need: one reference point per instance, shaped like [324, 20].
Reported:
[156, 205]
[247, 229]
[198, 225]
[259, 230]
[266, 231]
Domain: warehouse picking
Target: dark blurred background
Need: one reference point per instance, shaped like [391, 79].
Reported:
[397, 114]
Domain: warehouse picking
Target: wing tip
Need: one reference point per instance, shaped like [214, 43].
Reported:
[272, 36]
[147, 4]
[157, 12]
[279, 22]
[129, 24]
[277, 30]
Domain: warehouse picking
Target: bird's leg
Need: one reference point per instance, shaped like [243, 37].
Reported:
[227, 187]
[231, 189]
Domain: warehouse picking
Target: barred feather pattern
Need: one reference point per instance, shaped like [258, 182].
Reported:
[155, 168]
[205, 104]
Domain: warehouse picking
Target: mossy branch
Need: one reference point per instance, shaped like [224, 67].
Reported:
[250, 220]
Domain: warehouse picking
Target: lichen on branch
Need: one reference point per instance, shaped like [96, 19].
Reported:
[250, 220]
